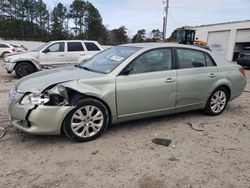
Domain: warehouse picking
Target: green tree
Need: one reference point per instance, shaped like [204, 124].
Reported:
[155, 35]
[41, 14]
[58, 17]
[118, 36]
[140, 36]
[76, 12]
[94, 29]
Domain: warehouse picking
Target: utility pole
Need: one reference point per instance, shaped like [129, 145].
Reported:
[165, 19]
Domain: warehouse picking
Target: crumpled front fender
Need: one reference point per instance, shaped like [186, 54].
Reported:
[24, 57]
[104, 92]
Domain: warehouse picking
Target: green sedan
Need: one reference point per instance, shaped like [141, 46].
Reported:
[123, 83]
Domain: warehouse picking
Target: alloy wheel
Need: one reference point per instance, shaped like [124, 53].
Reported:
[87, 121]
[218, 101]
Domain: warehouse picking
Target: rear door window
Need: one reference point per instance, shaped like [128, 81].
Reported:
[4, 46]
[75, 47]
[210, 62]
[190, 58]
[91, 46]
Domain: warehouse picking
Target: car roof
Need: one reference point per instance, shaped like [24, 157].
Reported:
[151, 45]
[5, 43]
[73, 41]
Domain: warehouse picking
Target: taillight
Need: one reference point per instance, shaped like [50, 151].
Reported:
[242, 71]
[13, 49]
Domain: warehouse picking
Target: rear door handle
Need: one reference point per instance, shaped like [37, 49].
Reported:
[61, 55]
[170, 80]
[212, 75]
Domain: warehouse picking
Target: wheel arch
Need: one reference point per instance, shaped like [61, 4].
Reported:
[5, 52]
[228, 89]
[27, 61]
[72, 92]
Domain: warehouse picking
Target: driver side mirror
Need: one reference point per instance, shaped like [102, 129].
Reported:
[46, 50]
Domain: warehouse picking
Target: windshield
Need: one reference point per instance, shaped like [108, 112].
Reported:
[108, 60]
[41, 47]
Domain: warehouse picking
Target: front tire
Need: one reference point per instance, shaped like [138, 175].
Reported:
[24, 68]
[5, 54]
[87, 121]
[217, 102]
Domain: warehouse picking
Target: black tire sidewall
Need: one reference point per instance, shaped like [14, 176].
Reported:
[79, 104]
[4, 54]
[208, 109]
[19, 65]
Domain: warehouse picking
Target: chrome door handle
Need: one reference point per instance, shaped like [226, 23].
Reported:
[212, 75]
[170, 80]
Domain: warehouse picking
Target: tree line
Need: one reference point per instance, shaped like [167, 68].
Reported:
[31, 20]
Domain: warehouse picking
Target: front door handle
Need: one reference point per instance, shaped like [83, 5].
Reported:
[61, 55]
[212, 75]
[170, 80]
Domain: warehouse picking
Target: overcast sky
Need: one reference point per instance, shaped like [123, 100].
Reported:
[148, 14]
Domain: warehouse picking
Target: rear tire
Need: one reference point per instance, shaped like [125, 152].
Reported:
[217, 102]
[24, 68]
[87, 121]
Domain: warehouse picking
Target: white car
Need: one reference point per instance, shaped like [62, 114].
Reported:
[6, 48]
[50, 55]
[20, 48]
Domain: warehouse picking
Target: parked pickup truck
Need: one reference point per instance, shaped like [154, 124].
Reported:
[50, 55]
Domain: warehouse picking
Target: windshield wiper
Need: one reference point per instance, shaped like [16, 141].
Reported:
[89, 69]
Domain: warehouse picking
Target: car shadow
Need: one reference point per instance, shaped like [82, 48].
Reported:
[17, 136]
[141, 123]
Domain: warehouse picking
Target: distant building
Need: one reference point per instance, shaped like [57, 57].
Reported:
[226, 39]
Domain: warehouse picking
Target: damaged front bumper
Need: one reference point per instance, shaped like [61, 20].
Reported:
[37, 119]
[9, 67]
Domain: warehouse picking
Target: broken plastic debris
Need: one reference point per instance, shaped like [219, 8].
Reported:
[162, 141]
[195, 127]
[2, 132]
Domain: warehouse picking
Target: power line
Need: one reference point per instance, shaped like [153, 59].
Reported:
[177, 23]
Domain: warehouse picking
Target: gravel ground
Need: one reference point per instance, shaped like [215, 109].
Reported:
[125, 156]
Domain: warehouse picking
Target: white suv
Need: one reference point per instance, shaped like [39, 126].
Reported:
[6, 49]
[50, 55]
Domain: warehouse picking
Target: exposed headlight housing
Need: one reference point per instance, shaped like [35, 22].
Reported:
[35, 99]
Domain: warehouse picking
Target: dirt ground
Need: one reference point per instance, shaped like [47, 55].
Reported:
[218, 156]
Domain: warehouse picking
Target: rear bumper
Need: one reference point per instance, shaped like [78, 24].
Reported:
[239, 89]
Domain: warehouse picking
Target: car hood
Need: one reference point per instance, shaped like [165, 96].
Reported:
[39, 81]
[22, 55]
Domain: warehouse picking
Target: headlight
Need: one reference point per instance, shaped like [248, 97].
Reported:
[12, 94]
[35, 99]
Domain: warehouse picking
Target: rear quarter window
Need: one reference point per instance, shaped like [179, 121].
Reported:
[4, 46]
[210, 62]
